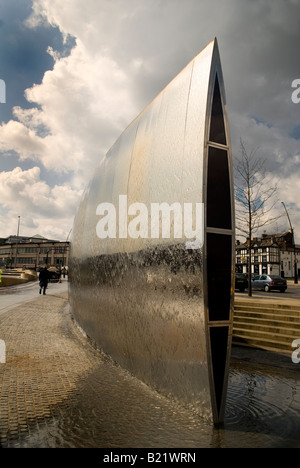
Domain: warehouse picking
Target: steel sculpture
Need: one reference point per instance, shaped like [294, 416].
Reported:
[149, 283]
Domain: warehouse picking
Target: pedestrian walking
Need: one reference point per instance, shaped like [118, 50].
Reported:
[43, 278]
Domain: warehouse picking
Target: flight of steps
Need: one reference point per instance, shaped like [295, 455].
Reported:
[264, 325]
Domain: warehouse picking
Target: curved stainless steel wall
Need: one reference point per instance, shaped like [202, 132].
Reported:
[159, 309]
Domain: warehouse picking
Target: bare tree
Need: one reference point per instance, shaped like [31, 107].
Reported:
[255, 195]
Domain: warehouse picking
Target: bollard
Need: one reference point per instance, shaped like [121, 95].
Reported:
[2, 352]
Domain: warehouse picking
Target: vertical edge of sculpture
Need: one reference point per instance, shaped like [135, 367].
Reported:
[220, 239]
[161, 306]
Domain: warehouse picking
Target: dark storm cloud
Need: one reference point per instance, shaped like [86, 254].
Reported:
[125, 54]
[23, 53]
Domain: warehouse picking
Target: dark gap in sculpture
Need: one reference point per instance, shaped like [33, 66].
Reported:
[219, 247]
[217, 126]
[219, 343]
[218, 190]
[219, 276]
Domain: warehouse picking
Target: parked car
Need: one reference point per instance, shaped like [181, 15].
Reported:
[269, 283]
[54, 275]
[241, 281]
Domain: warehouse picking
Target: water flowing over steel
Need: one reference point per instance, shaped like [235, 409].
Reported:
[160, 305]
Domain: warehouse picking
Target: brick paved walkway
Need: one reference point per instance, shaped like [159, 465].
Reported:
[46, 358]
[56, 390]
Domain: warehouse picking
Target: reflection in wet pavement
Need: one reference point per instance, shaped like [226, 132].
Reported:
[263, 407]
[112, 409]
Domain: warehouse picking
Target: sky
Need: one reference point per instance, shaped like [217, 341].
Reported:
[77, 73]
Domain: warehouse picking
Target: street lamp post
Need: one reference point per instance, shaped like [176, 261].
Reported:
[66, 246]
[293, 241]
[17, 241]
[47, 255]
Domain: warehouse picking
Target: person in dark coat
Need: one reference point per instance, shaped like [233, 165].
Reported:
[44, 278]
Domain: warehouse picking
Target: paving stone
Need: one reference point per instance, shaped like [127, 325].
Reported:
[45, 361]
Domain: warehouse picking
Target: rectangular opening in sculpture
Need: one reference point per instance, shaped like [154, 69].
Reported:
[219, 272]
[217, 126]
[219, 345]
[218, 190]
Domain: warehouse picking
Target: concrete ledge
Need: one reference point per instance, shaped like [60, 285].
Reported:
[14, 277]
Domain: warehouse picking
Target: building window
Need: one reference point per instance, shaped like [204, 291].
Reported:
[26, 261]
[5, 252]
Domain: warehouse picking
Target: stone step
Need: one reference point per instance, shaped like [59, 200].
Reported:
[15, 274]
[258, 307]
[283, 336]
[274, 317]
[258, 343]
[284, 305]
[267, 326]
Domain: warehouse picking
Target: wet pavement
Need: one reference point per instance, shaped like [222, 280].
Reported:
[57, 390]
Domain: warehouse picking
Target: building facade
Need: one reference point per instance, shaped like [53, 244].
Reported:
[271, 254]
[289, 254]
[265, 257]
[33, 252]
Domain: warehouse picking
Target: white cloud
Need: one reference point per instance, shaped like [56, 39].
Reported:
[23, 194]
[16, 136]
[83, 104]
[125, 53]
